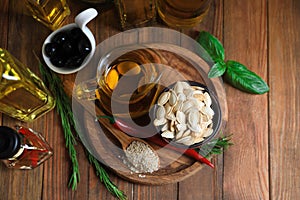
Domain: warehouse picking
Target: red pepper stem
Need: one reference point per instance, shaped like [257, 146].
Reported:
[110, 118]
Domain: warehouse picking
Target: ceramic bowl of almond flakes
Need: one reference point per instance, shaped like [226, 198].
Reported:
[187, 114]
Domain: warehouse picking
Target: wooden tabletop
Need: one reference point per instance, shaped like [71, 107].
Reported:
[263, 163]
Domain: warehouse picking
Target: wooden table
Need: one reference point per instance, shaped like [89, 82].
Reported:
[264, 161]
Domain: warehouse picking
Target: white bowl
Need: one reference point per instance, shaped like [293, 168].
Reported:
[80, 21]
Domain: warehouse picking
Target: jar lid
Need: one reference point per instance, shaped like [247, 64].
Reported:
[9, 142]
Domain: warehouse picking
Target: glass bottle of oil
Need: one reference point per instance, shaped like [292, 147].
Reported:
[135, 13]
[23, 95]
[97, 1]
[51, 13]
[23, 148]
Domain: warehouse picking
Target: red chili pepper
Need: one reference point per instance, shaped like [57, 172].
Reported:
[34, 158]
[189, 152]
[118, 124]
[32, 154]
[157, 140]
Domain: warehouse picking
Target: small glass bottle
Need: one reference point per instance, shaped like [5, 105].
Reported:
[135, 13]
[23, 148]
[23, 95]
[97, 1]
[51, 13]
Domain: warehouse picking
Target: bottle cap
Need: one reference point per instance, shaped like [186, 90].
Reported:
[10, 142]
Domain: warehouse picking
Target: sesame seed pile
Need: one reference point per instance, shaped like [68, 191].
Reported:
[140, 158]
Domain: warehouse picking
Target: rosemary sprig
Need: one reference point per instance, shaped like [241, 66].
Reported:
[215, 146]
[104, 178]
[64, 109]
[63, 105]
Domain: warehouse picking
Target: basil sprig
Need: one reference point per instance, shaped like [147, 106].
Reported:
[235, 73]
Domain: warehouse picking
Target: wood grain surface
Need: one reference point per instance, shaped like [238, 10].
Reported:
[248, 45]
[263, 162]
[284, 104]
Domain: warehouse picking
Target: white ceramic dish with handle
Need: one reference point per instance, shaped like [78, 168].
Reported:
[81, 21]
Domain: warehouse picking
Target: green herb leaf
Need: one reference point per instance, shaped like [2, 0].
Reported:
[242, 78]
[63, 106]
[215, 146]
[218, 69]
[233, 72]
[212, 45]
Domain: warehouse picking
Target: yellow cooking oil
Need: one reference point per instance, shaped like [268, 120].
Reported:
[23, 95]
[51, 13]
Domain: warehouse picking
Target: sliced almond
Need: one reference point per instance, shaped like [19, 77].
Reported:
[195, 127]
[198, 139]
[178, 88]
[163, 98]
[186, 105]
[188, 92]
[168, 108]
[207, 132]
[165, 127]
[180, 117]
[160, 112]
[184, 139]
[160, 122]
[186, 133]
[171, 116]
[168, 134]
[181, 96]
[178, 106]
[181, 127]
[207, 99]
[189, 142]
[179, 135]
[173, 98]
[193, 117]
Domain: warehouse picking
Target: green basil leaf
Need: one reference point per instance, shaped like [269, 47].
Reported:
[212, 45]
[240, 77]
[217, 70]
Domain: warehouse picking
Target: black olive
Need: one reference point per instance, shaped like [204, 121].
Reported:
[84, 47]
[74, 61]
[76, 34]
[51, 49]
[58, 61]
[60, 37]
[68, 48]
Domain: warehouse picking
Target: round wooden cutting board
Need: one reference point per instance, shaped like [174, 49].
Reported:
[98, 139]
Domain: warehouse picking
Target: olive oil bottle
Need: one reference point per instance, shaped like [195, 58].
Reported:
[51, 13]
[23, 95]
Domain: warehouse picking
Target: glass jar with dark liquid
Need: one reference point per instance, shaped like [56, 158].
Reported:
[127, 82]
